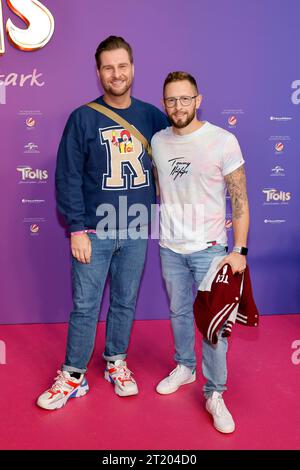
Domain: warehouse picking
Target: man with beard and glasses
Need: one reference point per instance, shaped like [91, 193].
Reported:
[196, 162]
[99, 166]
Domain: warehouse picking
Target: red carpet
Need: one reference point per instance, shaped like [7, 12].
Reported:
[263, 393]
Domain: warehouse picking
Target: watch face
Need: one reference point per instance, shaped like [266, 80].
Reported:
[241, 249]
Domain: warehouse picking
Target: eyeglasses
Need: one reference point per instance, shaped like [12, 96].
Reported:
[184, 100]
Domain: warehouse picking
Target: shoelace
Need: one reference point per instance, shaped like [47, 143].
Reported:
[123, 373]
[60, 381]
[176, 370]
[220, 406]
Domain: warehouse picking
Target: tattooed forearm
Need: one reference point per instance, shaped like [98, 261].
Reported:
[236, 185]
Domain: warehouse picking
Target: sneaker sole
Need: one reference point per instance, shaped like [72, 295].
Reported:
[223, 431]
[175, 389]
[119, 392]
[77, 393]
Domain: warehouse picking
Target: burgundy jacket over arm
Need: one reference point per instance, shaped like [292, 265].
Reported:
[224, 298]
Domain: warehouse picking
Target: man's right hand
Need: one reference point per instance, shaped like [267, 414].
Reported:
[81, 248]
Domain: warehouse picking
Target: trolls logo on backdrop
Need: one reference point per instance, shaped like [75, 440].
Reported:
[39, 21]
[273, 196]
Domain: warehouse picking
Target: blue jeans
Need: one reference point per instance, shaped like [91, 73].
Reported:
[123, 260]
[182, 274]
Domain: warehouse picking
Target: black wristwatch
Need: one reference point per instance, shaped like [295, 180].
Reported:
[242, 250]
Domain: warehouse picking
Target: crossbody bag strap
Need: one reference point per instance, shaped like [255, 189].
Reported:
[125, 124]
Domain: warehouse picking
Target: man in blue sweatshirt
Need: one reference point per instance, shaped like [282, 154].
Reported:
[102, 170]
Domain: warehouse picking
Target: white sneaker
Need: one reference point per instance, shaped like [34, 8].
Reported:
[64, 387]
[223, 420]
[120, 376]
[181, 375]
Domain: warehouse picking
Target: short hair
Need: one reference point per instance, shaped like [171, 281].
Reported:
[178, 77]
[111, 43]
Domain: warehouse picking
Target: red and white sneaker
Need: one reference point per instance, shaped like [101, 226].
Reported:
[64, 387]
[118, 374]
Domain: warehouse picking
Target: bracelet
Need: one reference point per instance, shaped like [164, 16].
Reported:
[78, 233]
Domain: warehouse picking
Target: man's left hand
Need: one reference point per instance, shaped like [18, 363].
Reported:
[237, 262]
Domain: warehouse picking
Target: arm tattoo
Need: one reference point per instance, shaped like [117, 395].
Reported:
[236, 185]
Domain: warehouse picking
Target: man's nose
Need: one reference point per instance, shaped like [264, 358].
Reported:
[116, 72]
[178, 104]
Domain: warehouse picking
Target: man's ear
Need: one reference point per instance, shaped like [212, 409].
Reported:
[198, 101]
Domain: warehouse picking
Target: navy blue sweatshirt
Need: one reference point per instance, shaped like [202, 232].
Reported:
[98, 161]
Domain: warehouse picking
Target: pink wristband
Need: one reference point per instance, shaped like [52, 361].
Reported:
[78, 233]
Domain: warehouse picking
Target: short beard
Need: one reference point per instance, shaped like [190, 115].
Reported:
[112, 92]
[181, 125]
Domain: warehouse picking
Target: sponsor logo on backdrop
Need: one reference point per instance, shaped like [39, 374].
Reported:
[232, 120]
[232, 117]
[30, 175]
[38, 20]
[280, 118]
[274, 221]
[34, 224]
[277, 171]
[30, 117]
[34, 228]
[275, 196]
[279, 147]
[30, 122]
[31, 147]
[295, 96]
[228, 222]
[280, 143]
[33, 201]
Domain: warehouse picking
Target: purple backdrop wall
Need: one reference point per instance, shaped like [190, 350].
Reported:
[245, 58]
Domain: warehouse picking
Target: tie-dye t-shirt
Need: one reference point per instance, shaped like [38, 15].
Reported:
[191, 170]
